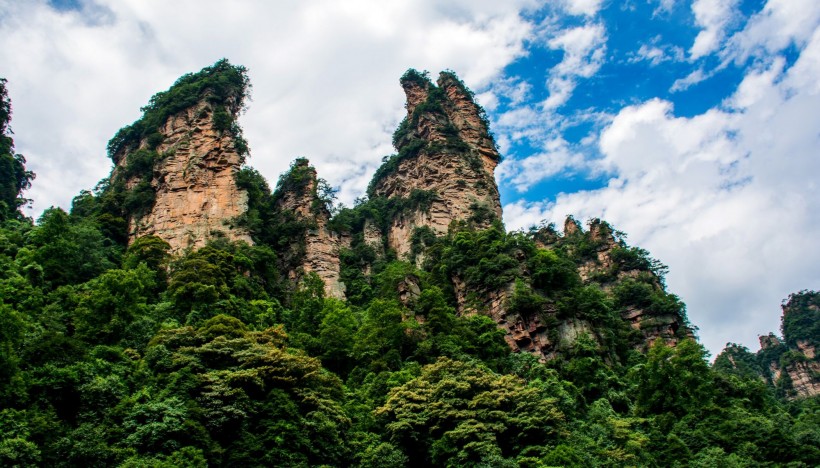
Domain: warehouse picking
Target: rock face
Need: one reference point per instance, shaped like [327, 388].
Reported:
[321, 245]
[544, 331]
[444, 148]
[196, 194]
[792, 363]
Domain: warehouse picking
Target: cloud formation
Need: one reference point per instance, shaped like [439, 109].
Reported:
[584, 49]
[713, 16]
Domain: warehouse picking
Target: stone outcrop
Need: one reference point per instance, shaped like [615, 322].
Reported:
[193, 179]
[653, 326]
[321, 245]
[792, 363]
[544, 333]
[445, 148]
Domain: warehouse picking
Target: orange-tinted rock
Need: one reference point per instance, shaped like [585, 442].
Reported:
[795, 357]
[457, 162]
[196, 194]
[321, 254]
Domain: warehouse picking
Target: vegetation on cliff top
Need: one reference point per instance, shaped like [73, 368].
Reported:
[410, 144]
[14, 178]
[222, 85]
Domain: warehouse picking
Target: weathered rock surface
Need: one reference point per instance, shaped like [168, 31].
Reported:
[321, 253]
[653, 326]
[456, 161]
[795, 357]
[531, 332]
[196, 194]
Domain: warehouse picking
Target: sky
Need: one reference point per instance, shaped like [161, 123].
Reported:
[692, 126]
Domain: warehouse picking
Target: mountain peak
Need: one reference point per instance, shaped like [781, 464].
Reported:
[445, 150]
[175, 166]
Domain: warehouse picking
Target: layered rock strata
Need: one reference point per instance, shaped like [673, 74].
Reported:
[530, 332]
[445, 148]
[193, 179]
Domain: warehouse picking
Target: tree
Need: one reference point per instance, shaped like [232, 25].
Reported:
[674, 380]
[459, 413]
[14, 178]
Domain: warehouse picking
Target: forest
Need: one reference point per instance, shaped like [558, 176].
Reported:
[118, 353]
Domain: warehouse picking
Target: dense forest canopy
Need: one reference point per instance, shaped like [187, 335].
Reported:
[125, 355]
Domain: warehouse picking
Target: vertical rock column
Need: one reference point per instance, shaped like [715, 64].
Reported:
[196, 194]
[444, 147]
[321, 254]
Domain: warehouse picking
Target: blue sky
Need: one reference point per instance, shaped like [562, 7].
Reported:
[693, 126]
[646, 51]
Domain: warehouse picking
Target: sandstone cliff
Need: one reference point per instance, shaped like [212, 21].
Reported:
[177, 171]
[178, 162]
[318, 246]
[445, 149]
[601, 262]
[196, 194]
[792, 364]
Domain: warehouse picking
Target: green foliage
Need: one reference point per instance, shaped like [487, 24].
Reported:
[648, 296]
[421, 79]
[259, 400]
[484, 259]
[459, 413]
[223, 85]
[801, 319]
[66, 252]
[635, 258]
[737, 360]
[550, 271]
[675, 380]
[110, 304]
[222, 278]
[14, 178]
[204, 359]
[115, 356]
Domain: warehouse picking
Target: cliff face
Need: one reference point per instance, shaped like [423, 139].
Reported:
[175, 166]
[298, 197]
[444, 148]
[599, 264]
[652, 323]
[792, 364]
[193, 181]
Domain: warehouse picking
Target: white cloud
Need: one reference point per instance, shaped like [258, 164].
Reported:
[713, 16]
[664, 6]
[693, 78]
[556, 158]
[729, 198]
[657, 55]
[540, 125]
[584, 50]
[581, 7]
[324, 73]
[778, 25]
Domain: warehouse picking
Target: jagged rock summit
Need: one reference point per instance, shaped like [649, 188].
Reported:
[445, 149]
[792, 364]
[297, 196]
